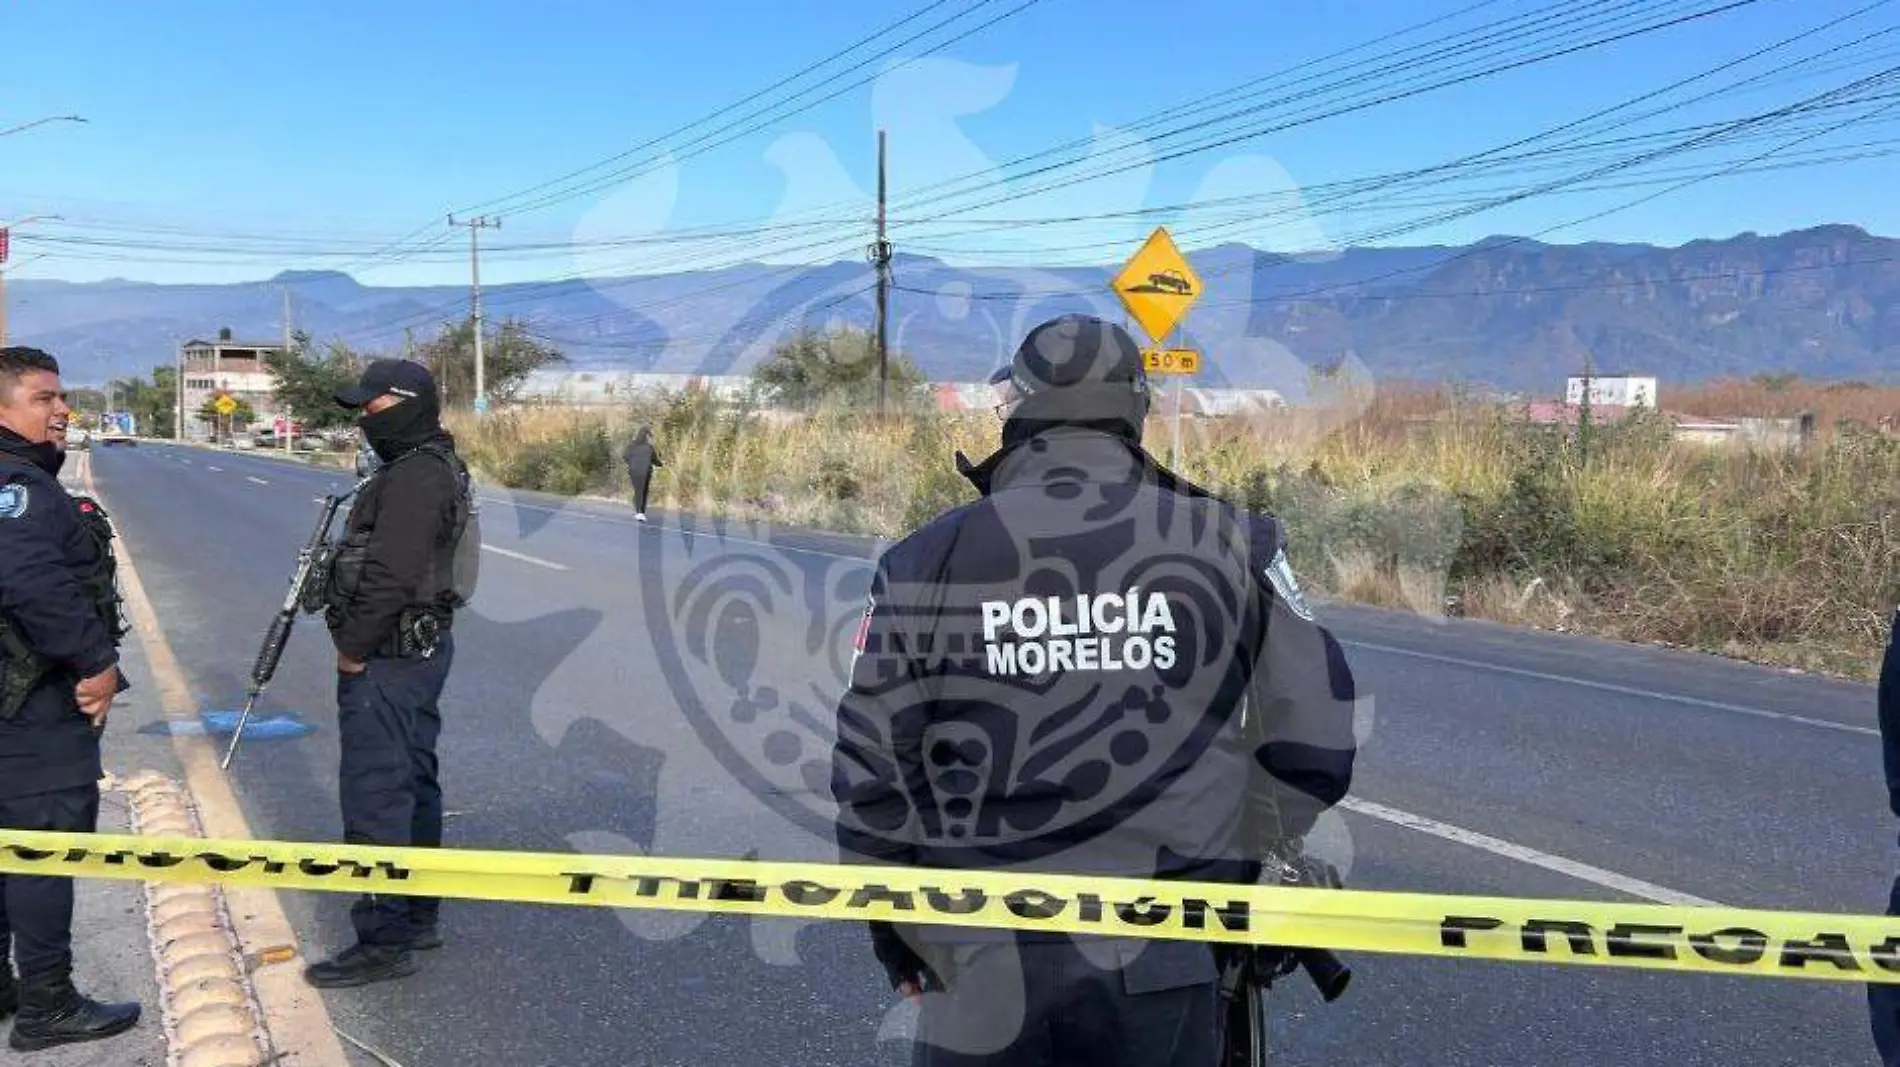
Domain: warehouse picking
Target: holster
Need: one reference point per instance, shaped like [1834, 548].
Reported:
[418, 634]
[21, 670]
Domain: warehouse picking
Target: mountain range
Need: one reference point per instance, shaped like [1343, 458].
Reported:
[1505, 313]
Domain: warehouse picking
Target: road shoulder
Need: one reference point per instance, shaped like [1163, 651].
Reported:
[216, 940]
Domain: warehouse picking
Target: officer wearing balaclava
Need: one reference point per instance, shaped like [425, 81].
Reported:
[1096, 667]
[390, 605]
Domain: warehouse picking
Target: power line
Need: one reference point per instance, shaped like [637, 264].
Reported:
[1875, 80]
[513, 201]
[637, 170]
[1251, 133]
[506, 199]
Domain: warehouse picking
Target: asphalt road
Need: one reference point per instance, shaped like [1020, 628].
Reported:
[604, 688]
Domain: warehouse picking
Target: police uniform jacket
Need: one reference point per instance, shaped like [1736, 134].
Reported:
[1096, 667]
[45, 554]
[1888, 697]
[399, 528]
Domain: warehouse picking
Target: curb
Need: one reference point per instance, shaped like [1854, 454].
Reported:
[211, 1014]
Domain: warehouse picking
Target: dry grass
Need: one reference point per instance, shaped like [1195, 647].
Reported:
[1831, 402]
[1410, 499]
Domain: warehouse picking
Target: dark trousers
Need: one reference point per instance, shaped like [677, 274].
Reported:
[388, 724]
[641, 484]
[1045, 1004]
[1883, 1002]
[36, 913]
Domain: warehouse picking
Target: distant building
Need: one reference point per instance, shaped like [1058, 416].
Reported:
[226, 365]
[1613, 391]
[1551, 413]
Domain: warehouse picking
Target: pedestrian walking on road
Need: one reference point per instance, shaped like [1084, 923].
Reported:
[406, 563]
[641, 459]
[60, 629]
[1883, 1001]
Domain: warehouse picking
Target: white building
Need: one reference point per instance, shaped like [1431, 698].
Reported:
[1613, 390]
[225, 365]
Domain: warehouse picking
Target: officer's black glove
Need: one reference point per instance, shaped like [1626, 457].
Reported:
[1285, 862]
[901, 962]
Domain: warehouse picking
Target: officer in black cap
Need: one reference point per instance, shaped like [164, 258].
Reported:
[392, 593]
[59, 656]
[1095, 668]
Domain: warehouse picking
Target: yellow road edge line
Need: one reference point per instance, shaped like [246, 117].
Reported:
[296, 1021]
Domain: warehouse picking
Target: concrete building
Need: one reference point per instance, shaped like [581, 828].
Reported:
[1613, 390]
[227, 365]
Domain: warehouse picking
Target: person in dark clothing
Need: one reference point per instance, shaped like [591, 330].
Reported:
[391, 600]
[641, 459]
[1883, 1001]
[1095, 668]
[59, 656]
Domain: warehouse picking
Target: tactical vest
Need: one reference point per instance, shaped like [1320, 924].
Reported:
[21, 668]
[457, 570]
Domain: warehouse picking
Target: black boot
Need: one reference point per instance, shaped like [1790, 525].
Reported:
[360, 965]
[53, 1013]
[9, 992]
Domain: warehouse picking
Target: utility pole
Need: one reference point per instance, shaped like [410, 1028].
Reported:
[475, 227]
[1583, 416]
[288, 432]
[178, 415]
[881, 256]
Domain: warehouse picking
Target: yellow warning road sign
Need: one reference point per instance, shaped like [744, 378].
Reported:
[226, 405]
[1171, 360]
[1157, 285]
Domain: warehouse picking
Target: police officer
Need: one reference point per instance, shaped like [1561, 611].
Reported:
[59, 634]
[392, 597]
[1883, 1000]
[1095, 668]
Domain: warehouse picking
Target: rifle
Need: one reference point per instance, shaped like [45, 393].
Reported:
[306, 594]
[1247, 972]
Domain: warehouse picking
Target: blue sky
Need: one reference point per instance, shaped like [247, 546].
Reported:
[307, 129]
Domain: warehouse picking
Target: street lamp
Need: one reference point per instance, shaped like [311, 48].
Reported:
[41, 122]
[3, 277]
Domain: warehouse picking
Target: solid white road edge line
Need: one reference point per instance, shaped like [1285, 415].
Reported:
[1611, 687]
[1525, 854]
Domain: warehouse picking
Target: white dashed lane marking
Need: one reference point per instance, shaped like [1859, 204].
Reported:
[525, 558]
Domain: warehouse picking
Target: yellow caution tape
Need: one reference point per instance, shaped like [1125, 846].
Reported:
[1710, 940]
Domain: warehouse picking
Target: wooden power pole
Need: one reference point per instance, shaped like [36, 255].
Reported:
[881, 256]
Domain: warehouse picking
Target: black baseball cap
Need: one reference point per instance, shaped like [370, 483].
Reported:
[404, 378]
[1078, 367]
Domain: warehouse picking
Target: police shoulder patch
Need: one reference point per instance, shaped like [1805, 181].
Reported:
[1280, 573]
[13, 500]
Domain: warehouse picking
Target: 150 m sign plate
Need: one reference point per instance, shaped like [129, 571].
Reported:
[1171, 360]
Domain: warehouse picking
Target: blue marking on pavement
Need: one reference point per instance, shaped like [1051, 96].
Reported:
[223, 723]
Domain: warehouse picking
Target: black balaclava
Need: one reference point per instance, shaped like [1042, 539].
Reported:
[403, 426]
